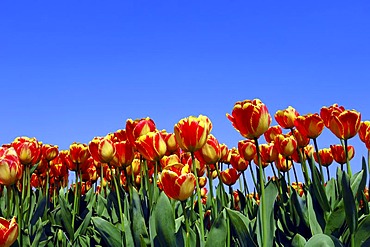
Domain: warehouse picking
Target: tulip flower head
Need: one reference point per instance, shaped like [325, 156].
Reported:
[8, 231]
[192, 132]
[10, 166]
[151, 146]
[28, 150]
[250, 118]
[285, 118]
[310, 125]
[210, 152]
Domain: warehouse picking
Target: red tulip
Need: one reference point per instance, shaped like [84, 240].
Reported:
[124, 154]
[8, 231]
[78, 152]
[28, 150]
[286, 145]
[49, 152]
[339, 154]
[10, 166]
[229, 176]
[327, 112]
[247, 149]
[192, 133]
[346, 124]
[310, 125]
[102, 149]
[151, 146]
[272, 132]
[210, 152]
[326, 157]
[250, 117]
[138, 127]
[285, 118]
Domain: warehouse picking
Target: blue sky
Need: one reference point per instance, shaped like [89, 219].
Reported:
[72, 70]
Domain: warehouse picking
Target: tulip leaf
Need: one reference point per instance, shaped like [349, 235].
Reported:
[323, 240]
[267, 217]
[218, 232]
[336, 218]
[85, 223]
[314, 224]
[239, 224]
[298, 240]
[164, 221]
[318, 189]
[138, 223]
[66, 215]
[110, 234]
[362, 234]
[349, 204]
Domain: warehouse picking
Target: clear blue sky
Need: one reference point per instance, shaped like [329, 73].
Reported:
[72, 70]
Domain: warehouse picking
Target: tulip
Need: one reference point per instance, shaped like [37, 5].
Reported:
[120, 135]
[302, 140]
[138, 127]
[151, 146]
[28, 150]
[310, 125]
[229, 176]
[176, 184]
[49, 152]
[169, 160]
[269, 153]
[339, 154]
[346, 124]
[272, 132]
[124, 154]
[364, 133]
[326, 157]
[285, 118]
[224, 153]
[10, 166]
[286, 145]
[171, 142]
[247, 149]
[102, 149]
[78, 152]
[250, 118]
[327, 112]
[283, 164]
[192, 133]
[210, 152]
[8, 231]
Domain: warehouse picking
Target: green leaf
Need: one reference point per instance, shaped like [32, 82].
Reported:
[239, 224]
[138, 223]
[323, 240]
[349, 204]
[298, 240]
[314, 224]
[164, 221]
[66, 214]
[267, 217]
[336, 218]
[218, 232]
[110, 234]
[363, 232]
[85, 223]
[318, 190]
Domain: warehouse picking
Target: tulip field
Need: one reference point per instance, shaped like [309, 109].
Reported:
[140, 186]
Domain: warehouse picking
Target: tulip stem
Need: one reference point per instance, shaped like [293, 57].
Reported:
[75, 199]
[262, 220]
[246, 189]
[200, 205]
[295, 173]
[319, 160]
[8, 201]
[214, 209]
[187, 242]
[118, 198]
[349, 170]
[304, 166]
[368, 166]
[252, 174]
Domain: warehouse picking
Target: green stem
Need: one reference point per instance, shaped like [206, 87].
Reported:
[263, 220]
[319, 160]
[252, 174]
[9, 202]
[16, 195]
[304, 167]
[295, 173]
[118, 199]
[200, 205]
[246, 189]
[210, 179]
[328, 172]
[349, 170]
[75, 199]
[368, 166]
[187, 242]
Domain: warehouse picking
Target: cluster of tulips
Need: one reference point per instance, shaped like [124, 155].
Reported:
[140, 186]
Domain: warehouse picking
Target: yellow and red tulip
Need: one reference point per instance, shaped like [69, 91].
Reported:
[229, 176]
[346, 124]
[327, 112]
[169, 160]
[8, 231]
[178, 184]
[302, 140]
[151, 146]
[364, 133]
[285, 118]
[283, 164]
[49, 152]
[171, 142]
[272, 132]
[224, 153]
[269, 153]
[326, 157]
[192, 132]
[285, 144]
[210, 152]
[10, 166]
[138, 127]
[124, 154]
[250, 117]
[310, 125]
[102, 149]
[247, 149]
[78, 152]
[237, 161]
[28, 150]
[339, 154]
